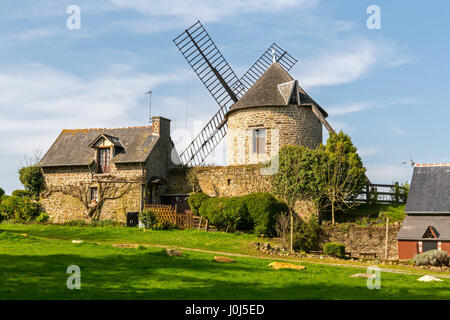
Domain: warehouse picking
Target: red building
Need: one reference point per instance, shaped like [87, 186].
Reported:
[427, 224]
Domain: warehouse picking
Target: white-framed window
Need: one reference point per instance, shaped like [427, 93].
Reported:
[259, 141]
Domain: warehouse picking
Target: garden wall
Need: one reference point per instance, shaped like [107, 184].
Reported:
[364, 239]
[228, 181]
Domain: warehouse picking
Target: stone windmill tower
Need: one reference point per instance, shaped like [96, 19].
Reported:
[274, 112]
[264, 102]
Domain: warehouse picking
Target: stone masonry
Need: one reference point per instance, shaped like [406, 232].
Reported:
[289, 124]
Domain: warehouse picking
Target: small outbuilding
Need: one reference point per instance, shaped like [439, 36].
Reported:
[427, 224]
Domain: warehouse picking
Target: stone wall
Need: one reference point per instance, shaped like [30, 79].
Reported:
[64, 207]
[364, 239]
[284, 125]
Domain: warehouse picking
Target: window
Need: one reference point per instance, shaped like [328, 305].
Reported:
[94, 194]
[259, 141]
[104, 159]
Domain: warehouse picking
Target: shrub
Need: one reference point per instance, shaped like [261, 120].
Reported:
[22, 193]
[334, 249]
[195, 201]
[105, 223]
[2, 192]
[308, 235]
[32, 179]
[19, 209]
[148, 218]
[151, 221]
[263, 209]
[435, 258]
[224, 213]
[42, 218]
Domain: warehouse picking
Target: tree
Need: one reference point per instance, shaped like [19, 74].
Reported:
[294, 180]
[107, 190]
[2, 192]
[32, 179]
[341, 174]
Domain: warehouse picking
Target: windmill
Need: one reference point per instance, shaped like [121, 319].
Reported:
[208, 63]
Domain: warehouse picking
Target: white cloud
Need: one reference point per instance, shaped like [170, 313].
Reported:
[37, 101]
[347, 61]
[341, 109]
[210, 10]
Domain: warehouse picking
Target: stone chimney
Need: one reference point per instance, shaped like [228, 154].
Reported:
[161, 126]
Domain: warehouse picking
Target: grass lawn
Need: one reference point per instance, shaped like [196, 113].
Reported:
[34, 268]
[216, 241]
[368, 214]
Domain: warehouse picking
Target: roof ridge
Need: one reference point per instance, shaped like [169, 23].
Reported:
[91, 129]
[432, 165]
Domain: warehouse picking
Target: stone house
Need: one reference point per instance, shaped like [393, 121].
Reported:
[427, 224]
[105, 173]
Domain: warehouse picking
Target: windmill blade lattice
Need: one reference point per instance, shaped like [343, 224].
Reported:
[265, 61]
[208, 63]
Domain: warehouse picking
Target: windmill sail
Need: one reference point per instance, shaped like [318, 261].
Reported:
[260, 66]
[208, 63]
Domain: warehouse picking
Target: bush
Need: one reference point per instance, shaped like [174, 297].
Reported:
[19, 209]
[224, 213]
[334, 249]
[22, 193]
[436, 258]
[263, 209]
[195, 201]
[307, 237]
[151, 221]
[148, 218]
[32, 179]
[2, 192]
[42, 218]
[74, 223]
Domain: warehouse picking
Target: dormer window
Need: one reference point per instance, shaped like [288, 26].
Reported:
[106, 147]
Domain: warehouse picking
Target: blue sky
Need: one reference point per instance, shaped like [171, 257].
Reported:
[387, 88]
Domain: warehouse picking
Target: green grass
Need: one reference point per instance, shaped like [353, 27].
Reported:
[216, 241]
[369, 214]
[34, 268]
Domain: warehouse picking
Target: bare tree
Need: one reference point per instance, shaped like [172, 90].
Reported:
[109, 190]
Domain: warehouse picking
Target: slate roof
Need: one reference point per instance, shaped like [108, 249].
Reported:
[430, 190]
[414, 227]
[271, 89]
[71, 148]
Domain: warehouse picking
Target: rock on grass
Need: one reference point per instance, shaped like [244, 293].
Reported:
[223, 259]
[285, 265]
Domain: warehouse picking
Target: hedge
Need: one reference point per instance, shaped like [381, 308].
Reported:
[195, 201]
[264, 209]
[334, 249]
[19, 209]
[256, 212]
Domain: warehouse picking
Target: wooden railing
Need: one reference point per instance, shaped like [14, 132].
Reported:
[378, 193]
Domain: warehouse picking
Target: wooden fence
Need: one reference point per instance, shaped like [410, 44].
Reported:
[379, 193]
[167, 212]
